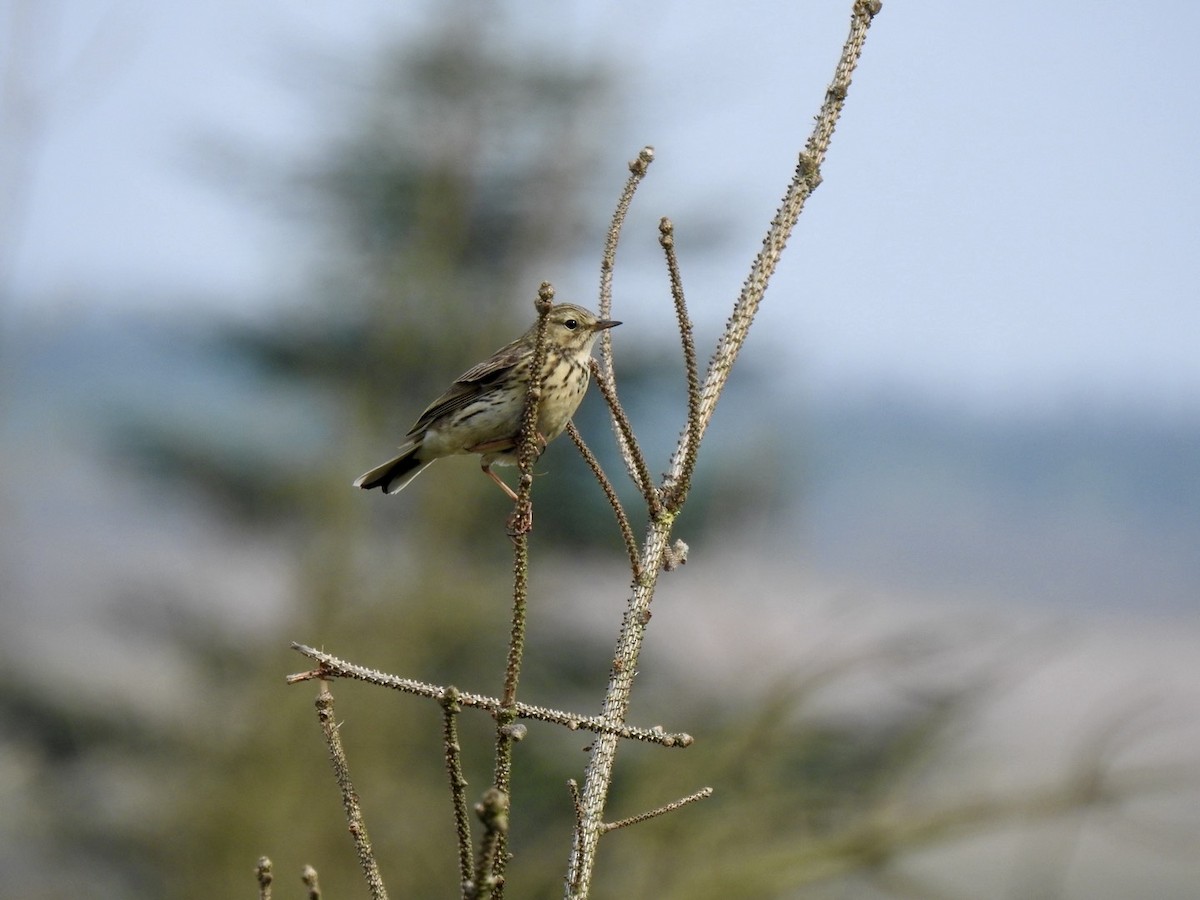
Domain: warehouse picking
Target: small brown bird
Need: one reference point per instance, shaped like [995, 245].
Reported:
[481, 411]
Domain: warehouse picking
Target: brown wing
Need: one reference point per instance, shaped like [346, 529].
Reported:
[469, 385]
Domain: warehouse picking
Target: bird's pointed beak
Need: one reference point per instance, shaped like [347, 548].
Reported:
[606, 323]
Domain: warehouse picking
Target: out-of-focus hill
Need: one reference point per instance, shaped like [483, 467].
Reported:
[1088, 507]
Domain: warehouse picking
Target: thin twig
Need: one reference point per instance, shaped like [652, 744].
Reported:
[635, 460]
[637, 171]
[677, 493]
[806, 179]
[604, 372]
[264, 876]
[577, 833]
[528, 438]
[520, 525]
[702, 794]
[489, 877]
[451, 707]
[330, 666]
[341, 771]
[613, 500]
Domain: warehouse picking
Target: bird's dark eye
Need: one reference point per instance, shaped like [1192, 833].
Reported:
[572, 324]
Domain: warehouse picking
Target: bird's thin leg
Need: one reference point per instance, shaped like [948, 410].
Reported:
[494, 446]
[487, 470]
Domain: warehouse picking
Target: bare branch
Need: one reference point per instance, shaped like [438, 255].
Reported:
[528, 449]
[613, 500]
[603, 371]
[804, 182]
[458, 782]
[341, 770]
[677, 492]
[492, 810]
[637, 171]
[631, 451]
[520, 524]
[332, 667]
[702, 794]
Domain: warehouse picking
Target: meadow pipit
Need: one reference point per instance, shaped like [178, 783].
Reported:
[481, 412]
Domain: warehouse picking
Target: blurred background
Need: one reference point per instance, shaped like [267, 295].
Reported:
[938, 633]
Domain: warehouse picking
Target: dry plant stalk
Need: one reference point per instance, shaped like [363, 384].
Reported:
[329, 666]
[701, 403]
[483, 874]
[451, 707]
[341, 771]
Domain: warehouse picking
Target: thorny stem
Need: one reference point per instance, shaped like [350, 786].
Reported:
[630, 450]
[451, 707]
[804, 182]
[637, 171]
[598, 775]
[604, 372]
[521, 524]
[493, 812]
[702, 794]
[341, 771]
[330, 666]
[677, 493]
[613, 500]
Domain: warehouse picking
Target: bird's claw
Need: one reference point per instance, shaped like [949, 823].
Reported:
[520, 521]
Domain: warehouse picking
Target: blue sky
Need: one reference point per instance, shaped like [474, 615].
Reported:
[1009, 213]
